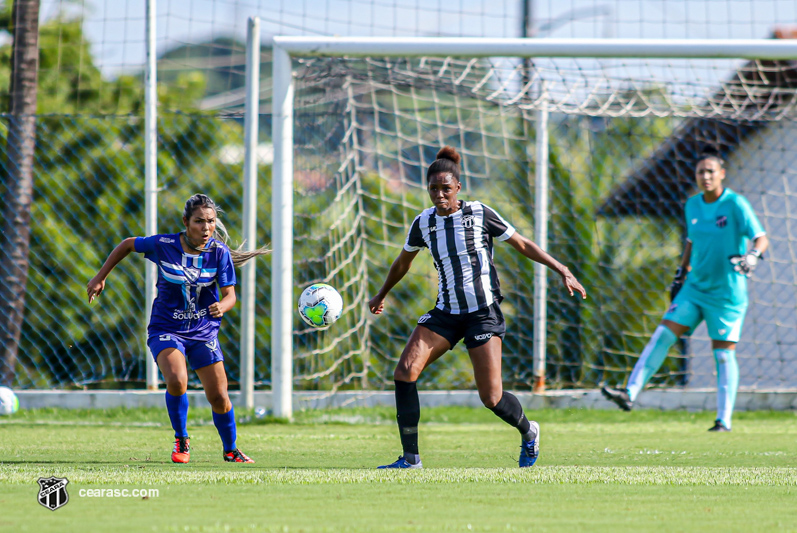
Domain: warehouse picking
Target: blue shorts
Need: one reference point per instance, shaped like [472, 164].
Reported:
[198, 353]
[724, 322]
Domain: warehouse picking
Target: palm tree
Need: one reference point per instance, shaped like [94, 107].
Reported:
[18, 186]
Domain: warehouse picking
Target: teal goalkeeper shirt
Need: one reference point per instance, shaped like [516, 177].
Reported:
[718, 231]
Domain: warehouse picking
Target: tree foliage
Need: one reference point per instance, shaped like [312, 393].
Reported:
[89, 172]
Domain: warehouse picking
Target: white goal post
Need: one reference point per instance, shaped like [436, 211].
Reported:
[284, 48]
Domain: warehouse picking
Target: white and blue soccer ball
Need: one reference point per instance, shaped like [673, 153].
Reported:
[9, 403]
[320, 305]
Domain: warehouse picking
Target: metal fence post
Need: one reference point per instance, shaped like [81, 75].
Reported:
[251, 128]
[151, 173]
[541, 238]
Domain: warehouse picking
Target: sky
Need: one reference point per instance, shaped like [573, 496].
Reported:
[116, 28]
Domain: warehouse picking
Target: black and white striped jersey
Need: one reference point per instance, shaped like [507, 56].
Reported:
[462, 247]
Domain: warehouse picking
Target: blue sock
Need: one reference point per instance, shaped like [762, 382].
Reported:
[727, 384]
[651, 359]
[225, 424]
[177, 406]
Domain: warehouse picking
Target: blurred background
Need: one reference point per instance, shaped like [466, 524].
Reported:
[623, 140]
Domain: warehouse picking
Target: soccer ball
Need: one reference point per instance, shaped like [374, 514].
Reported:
[9, 403]
[320, 305]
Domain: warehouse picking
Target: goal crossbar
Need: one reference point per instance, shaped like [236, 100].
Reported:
[284, 48]
[593, 48]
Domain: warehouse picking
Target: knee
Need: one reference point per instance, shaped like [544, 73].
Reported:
[490, 398]
[177, 385]
[219, 401]
[405, 371]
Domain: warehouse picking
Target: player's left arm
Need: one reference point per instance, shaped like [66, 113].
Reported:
[227, 302]
[531, 250]
[226, 280]
[761, 244]
[750, 227]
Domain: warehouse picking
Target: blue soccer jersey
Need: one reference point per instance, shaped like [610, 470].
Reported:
[718, 231]
[186, 285]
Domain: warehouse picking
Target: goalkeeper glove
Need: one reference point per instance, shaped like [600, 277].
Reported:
[677, 283]
[745, 264]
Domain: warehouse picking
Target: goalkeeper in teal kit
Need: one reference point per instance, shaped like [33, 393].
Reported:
[710, 285]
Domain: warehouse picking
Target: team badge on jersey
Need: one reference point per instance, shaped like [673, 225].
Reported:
[52, 492]
[722, 221]
[467, 221]
[212, 345]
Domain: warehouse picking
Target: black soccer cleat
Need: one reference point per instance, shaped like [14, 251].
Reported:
[618, 396]
[719, 426]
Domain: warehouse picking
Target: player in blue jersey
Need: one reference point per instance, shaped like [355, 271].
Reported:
[710, 285]
[187, 313]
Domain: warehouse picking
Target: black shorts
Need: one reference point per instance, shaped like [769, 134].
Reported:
[476, 328]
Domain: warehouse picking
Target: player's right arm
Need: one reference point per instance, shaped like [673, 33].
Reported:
[398, 270]
[97, 283]
[680, 274]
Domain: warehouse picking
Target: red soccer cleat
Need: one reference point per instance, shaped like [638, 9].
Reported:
[182, 450]
[236, 456]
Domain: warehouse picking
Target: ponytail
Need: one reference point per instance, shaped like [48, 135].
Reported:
[447, 162]
[239, 257]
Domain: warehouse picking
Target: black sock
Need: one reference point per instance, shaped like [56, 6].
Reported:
[408, 413]
[510, 411]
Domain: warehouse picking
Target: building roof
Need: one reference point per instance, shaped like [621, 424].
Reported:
[661, 184]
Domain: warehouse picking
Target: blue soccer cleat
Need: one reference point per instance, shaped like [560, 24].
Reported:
[402, 463]
[530, 450]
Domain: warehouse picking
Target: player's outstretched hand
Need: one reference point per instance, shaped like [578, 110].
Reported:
[745, 264]
[94, 288]
[572, 284]
[376, 305]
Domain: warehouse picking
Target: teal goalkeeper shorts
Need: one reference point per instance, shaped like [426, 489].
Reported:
[724, 322]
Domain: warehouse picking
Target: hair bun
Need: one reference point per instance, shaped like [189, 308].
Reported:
[450, 153]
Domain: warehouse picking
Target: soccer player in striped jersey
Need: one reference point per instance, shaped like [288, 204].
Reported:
[719, 226]
[459, 234]
[186, 315]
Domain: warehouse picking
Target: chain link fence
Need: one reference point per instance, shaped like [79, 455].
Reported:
[364, 134]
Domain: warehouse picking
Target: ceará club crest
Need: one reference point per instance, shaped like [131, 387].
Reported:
[467, 221]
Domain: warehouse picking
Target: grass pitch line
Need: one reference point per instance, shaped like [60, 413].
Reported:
[147, 475]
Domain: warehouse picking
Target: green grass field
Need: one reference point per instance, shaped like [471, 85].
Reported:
[598, 471]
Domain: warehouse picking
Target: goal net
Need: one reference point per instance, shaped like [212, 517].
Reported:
[624, 136]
